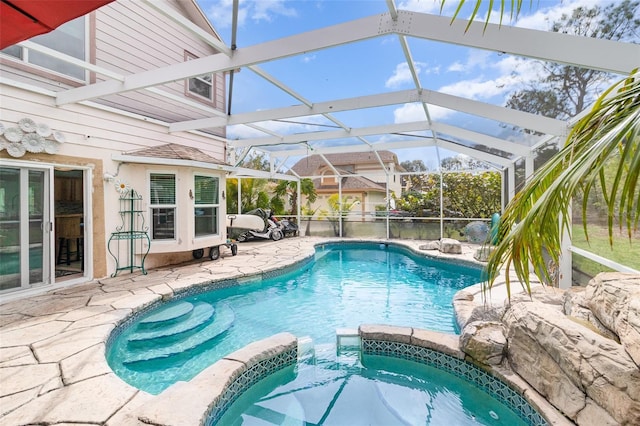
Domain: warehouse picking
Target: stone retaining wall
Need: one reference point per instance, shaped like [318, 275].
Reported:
[579, 348]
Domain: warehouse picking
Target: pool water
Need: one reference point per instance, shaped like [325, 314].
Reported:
[347, 285]
[330, 389]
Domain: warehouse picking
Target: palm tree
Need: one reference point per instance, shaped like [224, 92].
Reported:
[608, 136]
[536, 218]
[290, 188]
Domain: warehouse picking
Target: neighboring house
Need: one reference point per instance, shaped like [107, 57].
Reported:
[356, 176]
[65, 171]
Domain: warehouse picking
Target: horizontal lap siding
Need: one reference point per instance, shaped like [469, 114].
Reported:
[95, 133]
[131, 38]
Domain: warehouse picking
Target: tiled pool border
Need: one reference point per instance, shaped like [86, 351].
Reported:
[248, 378]
[459, 368]
[232, 282]
[203, 288]
[445, 362]
[254, 373]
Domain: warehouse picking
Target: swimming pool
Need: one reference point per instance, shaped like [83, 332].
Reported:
[346, 285]
[349, 388]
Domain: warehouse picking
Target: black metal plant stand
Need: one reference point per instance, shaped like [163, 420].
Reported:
[129, 238]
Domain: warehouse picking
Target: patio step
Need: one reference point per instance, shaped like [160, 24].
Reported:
[172, 312]
[220, 322]
[199, 315]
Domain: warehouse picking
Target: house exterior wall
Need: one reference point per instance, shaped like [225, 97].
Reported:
[129, 37]
[92, 137]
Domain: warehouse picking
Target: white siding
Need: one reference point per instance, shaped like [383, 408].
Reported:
[131, 38]
[94, 135]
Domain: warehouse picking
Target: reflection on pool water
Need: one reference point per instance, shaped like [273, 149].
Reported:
[347, 285]
[348, 389]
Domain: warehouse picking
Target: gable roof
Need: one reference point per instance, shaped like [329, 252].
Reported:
[176, 152]
[350, 184]
[309, 166]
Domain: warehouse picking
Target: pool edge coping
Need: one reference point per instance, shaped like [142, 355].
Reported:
[111, 401]
[229, 377]
[504, 374]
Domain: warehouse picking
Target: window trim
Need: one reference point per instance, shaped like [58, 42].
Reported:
[215, 206]
[173, 206]
[22, 63]
[212, 101]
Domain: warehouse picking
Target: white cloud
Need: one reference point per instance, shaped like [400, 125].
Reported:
[409, 113]
[308, 58]
[480, 88]
[220, 11]
[267, 9]
[542, 18]
[456, 67]
[280, 127]
[422, 6]
[402, 74]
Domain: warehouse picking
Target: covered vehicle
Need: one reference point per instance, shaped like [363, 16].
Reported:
[256, 223]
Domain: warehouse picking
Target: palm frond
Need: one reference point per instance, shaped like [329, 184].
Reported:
[516, 6]
[536, 219]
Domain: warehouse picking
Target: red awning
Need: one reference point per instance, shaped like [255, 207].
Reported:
[23, 19]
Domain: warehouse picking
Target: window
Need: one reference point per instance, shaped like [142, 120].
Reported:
[201, 86]
[206, 205]
[69, 39]
[163, 206]
[328, 178]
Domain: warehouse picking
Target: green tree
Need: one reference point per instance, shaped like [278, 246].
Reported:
[415, 180]
[472, 195]
[464, 195]
[609, 132]
[338, 210]
[563, 91]
[289, 189]
[414, 166]
[602, 151]
[253, 190]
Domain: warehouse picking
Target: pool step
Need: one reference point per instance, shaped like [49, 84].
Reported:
[170, 313]
[199, 315]
[222, 321]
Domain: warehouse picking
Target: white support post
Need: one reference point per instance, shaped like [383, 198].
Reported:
[239, 195]
[299, 206]
[565, 263]
[511, 182]
[388, 199]
[339, 206]
[528, 167]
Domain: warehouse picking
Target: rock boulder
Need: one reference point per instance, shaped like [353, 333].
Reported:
[450, 246]
[578, 370]
[485, 342]
[614, 298]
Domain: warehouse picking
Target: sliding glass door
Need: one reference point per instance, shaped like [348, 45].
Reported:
[25, 227]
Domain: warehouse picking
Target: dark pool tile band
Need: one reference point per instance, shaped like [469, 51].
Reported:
[248, 378]
[459, 368]
[205, 287]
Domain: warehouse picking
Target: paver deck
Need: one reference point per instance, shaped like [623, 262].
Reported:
[52, 346]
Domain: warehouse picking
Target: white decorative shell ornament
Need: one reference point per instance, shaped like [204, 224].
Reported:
[33, 142]
[13, 134]
[27, 125]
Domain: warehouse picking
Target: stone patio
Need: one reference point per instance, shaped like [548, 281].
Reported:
[52, 346]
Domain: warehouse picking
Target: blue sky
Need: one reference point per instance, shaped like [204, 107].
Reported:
[372, 66]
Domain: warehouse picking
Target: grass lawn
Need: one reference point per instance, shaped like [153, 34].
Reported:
[624, 251]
